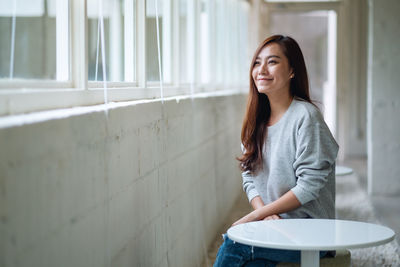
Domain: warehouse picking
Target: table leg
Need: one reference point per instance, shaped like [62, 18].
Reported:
[310, 258]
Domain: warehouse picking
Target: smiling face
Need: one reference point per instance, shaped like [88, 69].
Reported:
[271, 71]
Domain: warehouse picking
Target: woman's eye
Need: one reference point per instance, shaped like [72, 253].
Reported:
[272, 62]
[256, 63]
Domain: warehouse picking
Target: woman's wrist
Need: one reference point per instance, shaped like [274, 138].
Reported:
[256, 215]
[257, 203]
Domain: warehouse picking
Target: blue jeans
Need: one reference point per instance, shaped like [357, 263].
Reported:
[235, 254]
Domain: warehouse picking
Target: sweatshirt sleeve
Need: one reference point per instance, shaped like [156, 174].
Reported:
[316, 152]
[248, 183]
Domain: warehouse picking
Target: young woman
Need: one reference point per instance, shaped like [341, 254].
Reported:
[289, 154]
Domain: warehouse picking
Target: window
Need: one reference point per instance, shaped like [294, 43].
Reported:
[231, 40]
[204, 42]
[158, 40]
[52, 52]
[34, 39]
[113, 16]
[243, 37]
[183, 33]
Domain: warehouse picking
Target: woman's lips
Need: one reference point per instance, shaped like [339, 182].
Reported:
[264, 79]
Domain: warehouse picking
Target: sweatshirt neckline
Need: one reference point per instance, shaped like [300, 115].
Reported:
[283, 118]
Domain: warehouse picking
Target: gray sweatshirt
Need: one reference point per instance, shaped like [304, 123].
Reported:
[299, 155]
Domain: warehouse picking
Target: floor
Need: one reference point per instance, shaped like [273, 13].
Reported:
[386, 209]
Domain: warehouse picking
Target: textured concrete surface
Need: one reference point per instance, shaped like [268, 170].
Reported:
[147, 185]
[384, 98]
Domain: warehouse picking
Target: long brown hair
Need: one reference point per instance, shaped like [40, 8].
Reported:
[258, 111]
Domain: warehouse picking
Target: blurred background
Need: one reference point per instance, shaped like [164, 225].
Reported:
[120, 119]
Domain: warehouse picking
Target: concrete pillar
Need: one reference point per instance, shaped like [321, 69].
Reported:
[383, 105]
[351, 79]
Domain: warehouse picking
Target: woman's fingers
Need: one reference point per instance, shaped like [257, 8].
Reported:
[242, 220]
[252, 216]
[272, 217]
[248, 218]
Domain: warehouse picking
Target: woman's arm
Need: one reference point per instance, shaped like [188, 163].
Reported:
[285, 203]
[257, 202]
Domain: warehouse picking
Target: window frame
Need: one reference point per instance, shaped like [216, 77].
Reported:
[25, 95]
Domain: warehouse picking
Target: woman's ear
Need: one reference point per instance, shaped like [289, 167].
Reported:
[291, 75]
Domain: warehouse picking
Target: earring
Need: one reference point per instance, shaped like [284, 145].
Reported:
[291, 76]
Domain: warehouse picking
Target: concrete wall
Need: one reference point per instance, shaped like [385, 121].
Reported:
[147, 186]
[384, 98]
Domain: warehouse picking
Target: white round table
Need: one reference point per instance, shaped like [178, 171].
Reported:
[310, 236]
[343, 170]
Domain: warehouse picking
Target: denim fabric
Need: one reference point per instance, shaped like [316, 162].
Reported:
[234, 254]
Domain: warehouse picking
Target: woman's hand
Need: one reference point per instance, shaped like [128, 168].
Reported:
[252, 216]
[285, 203]
[272, 217]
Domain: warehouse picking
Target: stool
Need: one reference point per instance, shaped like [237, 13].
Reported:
[342, 259]
[343, 170]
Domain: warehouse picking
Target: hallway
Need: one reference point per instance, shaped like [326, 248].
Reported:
[120, 122]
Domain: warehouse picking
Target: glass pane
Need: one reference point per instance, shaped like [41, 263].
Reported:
[130, 40]
[243, 43]
[220, 42]
[183, 58]
[204, 43]
[113, 16]
[152, 70]
[29, 53]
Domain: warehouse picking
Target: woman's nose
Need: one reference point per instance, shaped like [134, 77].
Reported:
[263, 68]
